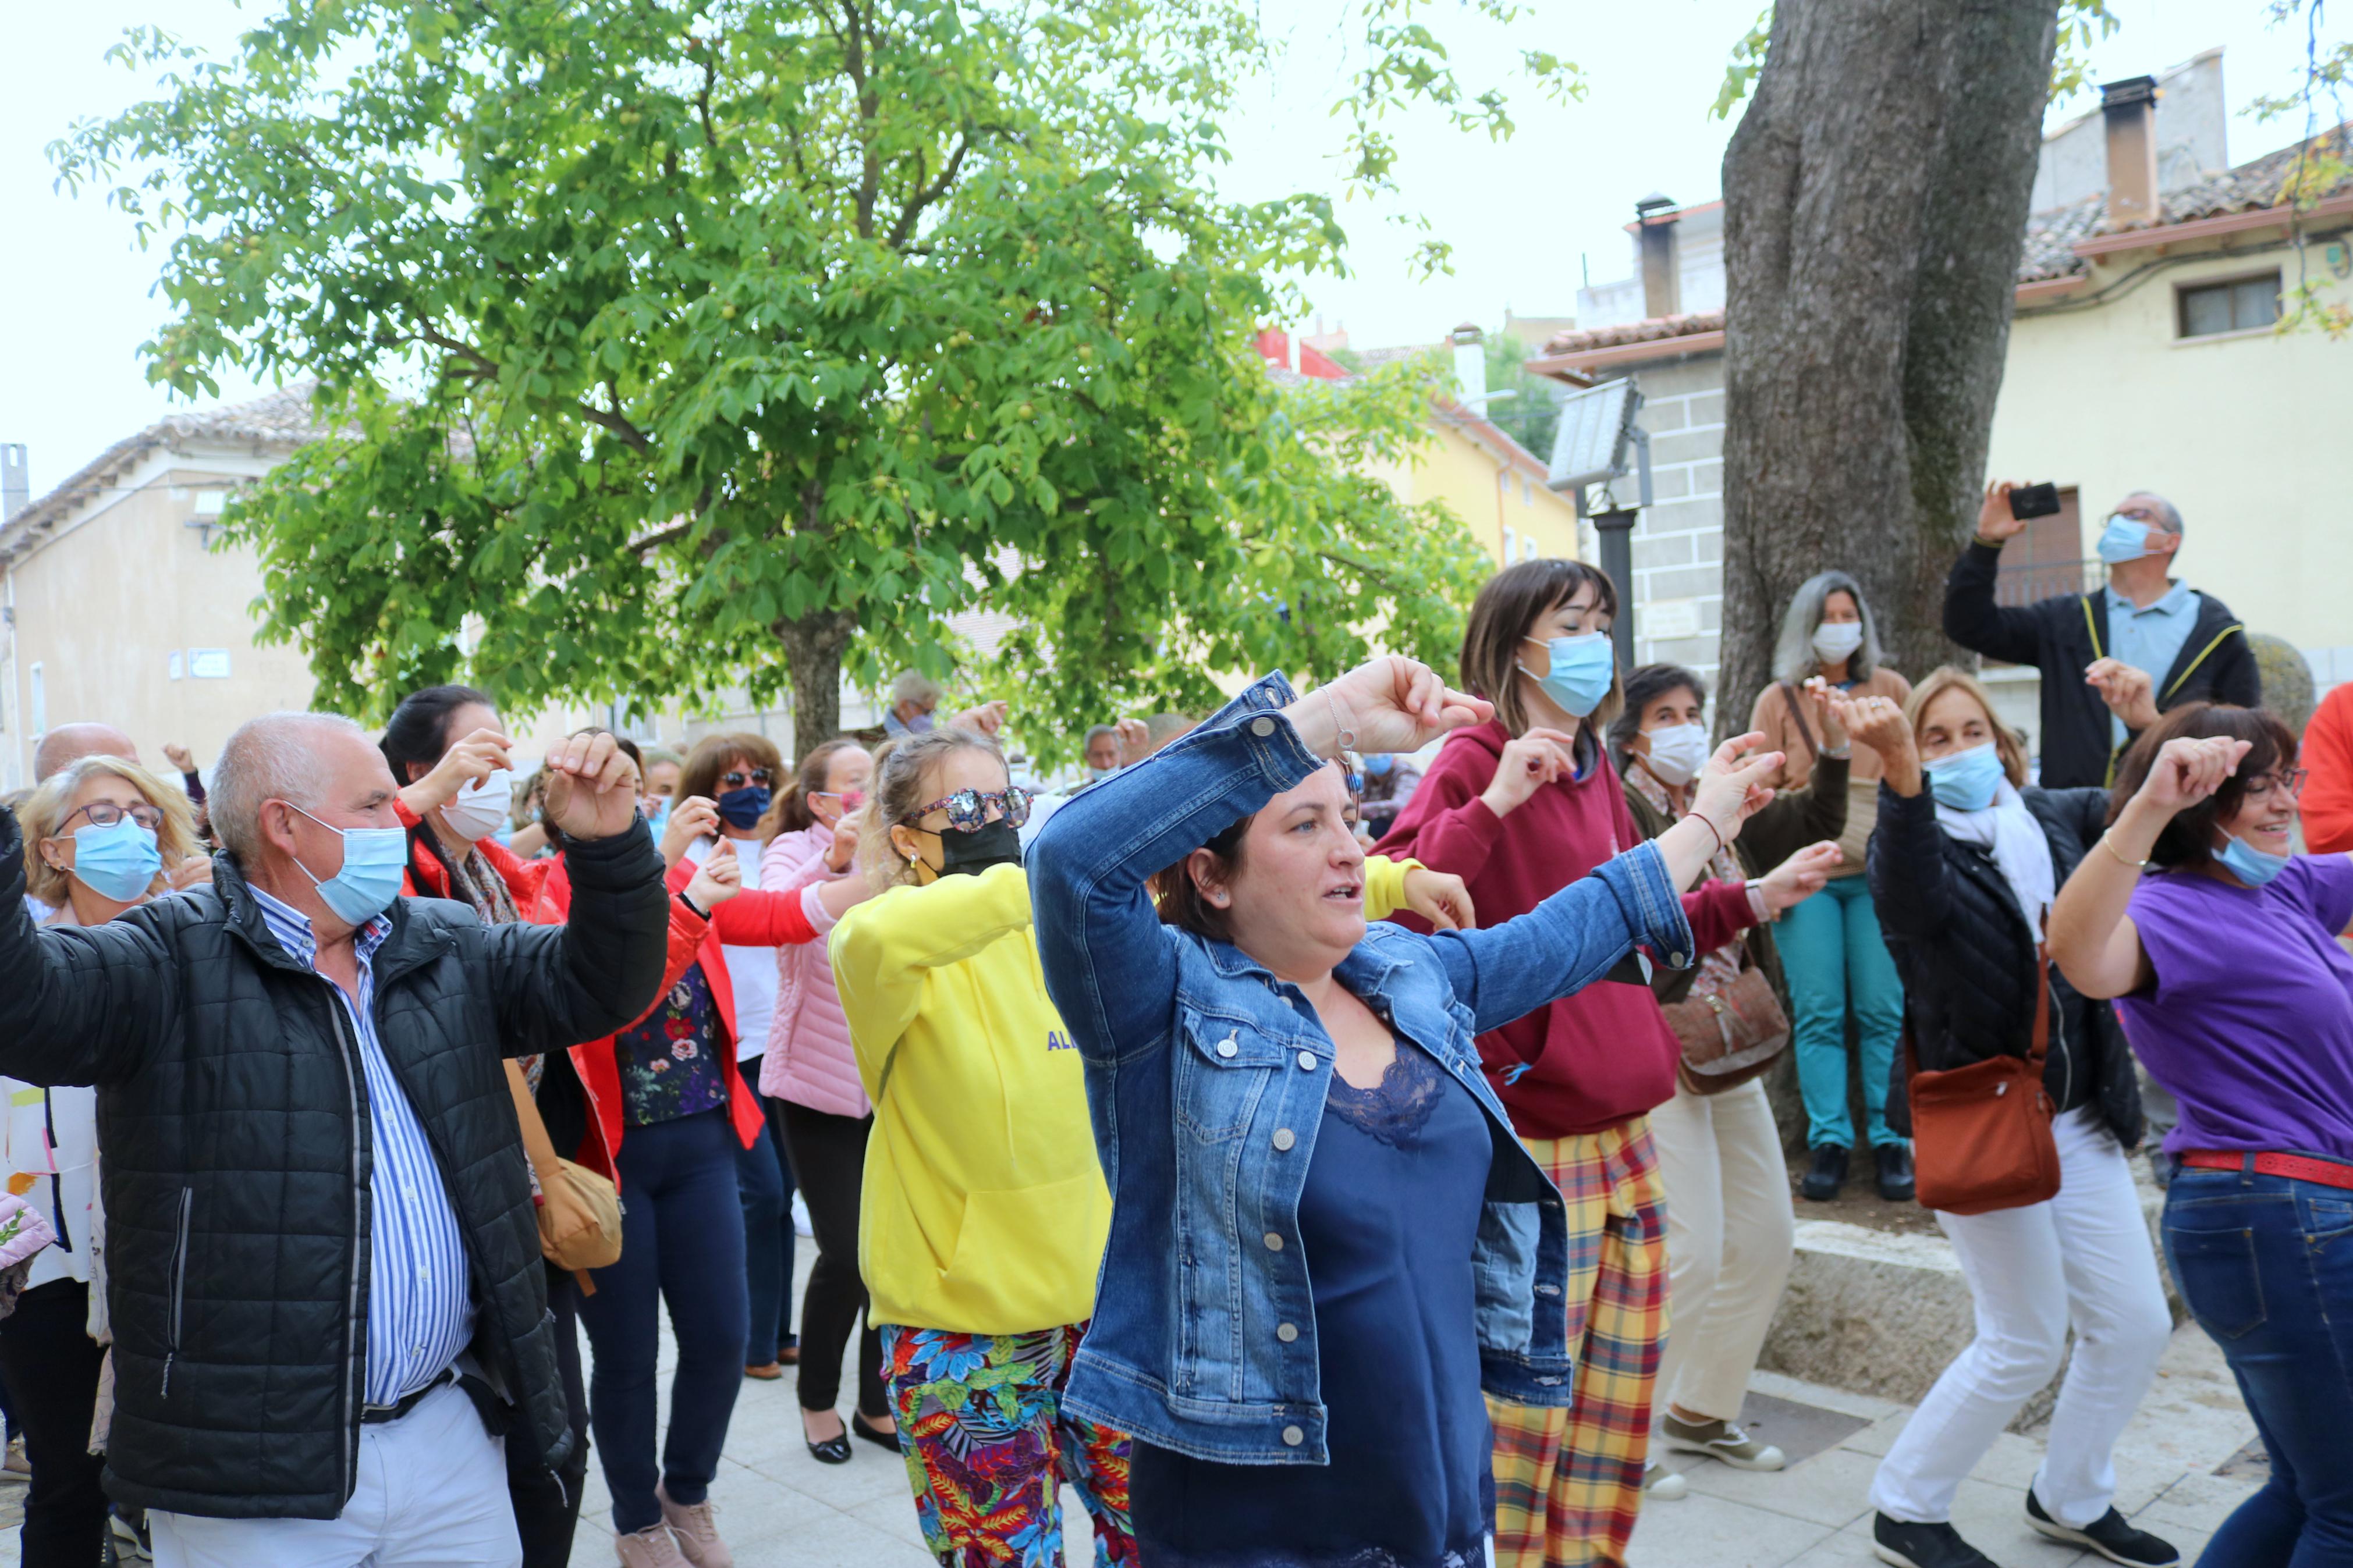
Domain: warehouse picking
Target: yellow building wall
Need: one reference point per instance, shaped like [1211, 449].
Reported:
[1453, 468]
[2247, 434]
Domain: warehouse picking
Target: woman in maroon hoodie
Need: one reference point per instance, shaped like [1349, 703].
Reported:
[1518, 808]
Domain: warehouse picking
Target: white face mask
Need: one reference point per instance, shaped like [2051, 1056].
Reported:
[1678, 751]
[480, 806]
[1835, 640]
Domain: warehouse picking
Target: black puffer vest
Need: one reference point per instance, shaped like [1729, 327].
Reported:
[236, 1155]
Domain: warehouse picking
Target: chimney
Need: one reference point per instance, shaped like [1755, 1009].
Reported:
[1655, 238]
[1470, 367]
[16, 480]
[2129, 107]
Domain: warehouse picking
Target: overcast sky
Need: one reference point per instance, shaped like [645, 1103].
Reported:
[1523, 216]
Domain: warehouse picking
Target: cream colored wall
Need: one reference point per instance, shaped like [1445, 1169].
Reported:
[102, 607]
[1455, 469]
[2246, 434]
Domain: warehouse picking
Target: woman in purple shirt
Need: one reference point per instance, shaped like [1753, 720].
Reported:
[2220, 946]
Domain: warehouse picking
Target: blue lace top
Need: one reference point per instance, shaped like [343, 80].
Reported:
[1387, 1219]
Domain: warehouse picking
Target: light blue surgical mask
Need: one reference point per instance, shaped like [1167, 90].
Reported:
[375, 860]
[658, 817]
[2252, 866]
[118, 862]
[1967, 781]
[2125, 539]
[1582, 670]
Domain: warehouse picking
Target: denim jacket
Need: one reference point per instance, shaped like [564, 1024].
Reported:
[1205, 1080]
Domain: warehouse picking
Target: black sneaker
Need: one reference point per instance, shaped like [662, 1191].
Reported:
[1923, 1545]
[1894, 1172]
[2109, 1535]
[1828, 1174]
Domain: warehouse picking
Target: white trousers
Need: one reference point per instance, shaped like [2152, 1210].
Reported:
[2085, 1258]
[1729, 1236]
[432, 1493]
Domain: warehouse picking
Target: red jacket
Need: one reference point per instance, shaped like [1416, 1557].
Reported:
[2327, 751]
[1586, 1062]
[425, 878]
[747, 920]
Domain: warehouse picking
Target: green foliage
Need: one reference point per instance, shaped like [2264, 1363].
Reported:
[662, 340]
[2081, 23]
[2322, 168]
[1530, 416]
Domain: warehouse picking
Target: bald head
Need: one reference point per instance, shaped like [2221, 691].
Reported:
[70, 743]
[320, 762]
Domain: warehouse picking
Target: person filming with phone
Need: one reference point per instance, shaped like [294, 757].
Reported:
[2114, 659]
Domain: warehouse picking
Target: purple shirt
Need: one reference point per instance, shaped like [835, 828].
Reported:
[2251, 1024]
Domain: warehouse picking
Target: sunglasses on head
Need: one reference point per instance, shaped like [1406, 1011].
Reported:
[968, 809]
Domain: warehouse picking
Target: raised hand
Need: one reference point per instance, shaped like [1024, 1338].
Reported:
[1387, 704]
[719, 878]
[592, 787]
[1439, 899]
[1731, 788]
[1534, 759]
[1799, 878]
[1827, 716]
[694, 818]
[475, 757]
[179, 756]
[844, 848]
[1134, 740]
[2186, 772]
[1995, 523]
[2129, 692]
[986, 718]
[1877, 722]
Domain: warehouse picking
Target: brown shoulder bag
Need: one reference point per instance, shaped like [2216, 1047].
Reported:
[579, 1211]
[1730, 1038]
[1981, 1135]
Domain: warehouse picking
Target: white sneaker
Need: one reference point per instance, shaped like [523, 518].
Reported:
[1721, 1440]
[801, 1225]
[1662, 1485]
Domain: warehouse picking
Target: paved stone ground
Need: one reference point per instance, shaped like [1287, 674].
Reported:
[780, 1508]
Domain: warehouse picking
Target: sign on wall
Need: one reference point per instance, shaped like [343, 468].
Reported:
[208, 663]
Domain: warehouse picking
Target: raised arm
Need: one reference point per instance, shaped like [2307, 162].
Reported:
[1972, 618]
[884, 949]
[555, 986]
[77, 1005]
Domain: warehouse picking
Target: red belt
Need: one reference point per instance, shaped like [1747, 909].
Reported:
[2296, 1167]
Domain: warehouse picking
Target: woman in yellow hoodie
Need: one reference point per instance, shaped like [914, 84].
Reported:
[985, 1211]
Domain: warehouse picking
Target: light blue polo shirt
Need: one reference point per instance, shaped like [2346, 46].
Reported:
[2150, 639]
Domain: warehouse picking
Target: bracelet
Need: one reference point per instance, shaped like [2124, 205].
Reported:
[690, 908]
[1712, 829]
[1990, 544]
[2136, 864]
[1342, 735]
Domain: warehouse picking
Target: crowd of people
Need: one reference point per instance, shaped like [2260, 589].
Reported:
[1332, 1133]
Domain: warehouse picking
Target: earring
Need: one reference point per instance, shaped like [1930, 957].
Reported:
[1221, 898]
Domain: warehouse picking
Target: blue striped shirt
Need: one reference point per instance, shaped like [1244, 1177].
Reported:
[420, 1315]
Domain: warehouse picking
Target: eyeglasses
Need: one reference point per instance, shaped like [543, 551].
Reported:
[106, 813]
[737, 778]
[2291, 781]
[968, 809]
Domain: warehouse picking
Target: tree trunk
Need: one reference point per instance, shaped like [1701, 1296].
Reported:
[1875, 202]
[813, 647]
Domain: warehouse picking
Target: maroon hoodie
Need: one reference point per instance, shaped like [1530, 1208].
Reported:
[1589, 1061]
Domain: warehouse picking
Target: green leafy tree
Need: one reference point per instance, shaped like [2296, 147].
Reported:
[669, 348]
[1529, 415]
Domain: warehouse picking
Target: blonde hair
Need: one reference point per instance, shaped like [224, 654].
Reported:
[1951, 677]
[47, 809]
[902, 770]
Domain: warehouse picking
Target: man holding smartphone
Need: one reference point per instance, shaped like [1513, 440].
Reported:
[2114, 659]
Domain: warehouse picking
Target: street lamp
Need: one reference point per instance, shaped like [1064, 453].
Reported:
[1597, 442]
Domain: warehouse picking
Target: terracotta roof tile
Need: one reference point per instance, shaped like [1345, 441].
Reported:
[1654, 330]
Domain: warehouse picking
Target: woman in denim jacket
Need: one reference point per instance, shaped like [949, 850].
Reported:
[1272, 1082]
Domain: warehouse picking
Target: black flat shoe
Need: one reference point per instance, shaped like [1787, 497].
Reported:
[1894, 1163]
[1923, 1545]
[874, 1434]
[834, 1450]
[1828, 1176]
[2109, 1535]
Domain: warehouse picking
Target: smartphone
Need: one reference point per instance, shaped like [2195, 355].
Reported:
[2033, 501]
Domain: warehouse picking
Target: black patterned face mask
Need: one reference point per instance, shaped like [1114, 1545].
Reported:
[970, 853]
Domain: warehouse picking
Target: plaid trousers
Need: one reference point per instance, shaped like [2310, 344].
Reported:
[1569, 1482]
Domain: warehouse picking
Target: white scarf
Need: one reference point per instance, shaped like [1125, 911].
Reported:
[2020, 849]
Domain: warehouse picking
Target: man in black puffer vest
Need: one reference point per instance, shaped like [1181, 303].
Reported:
[321, 1240]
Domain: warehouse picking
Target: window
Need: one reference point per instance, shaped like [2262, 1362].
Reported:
[1527, 492]
[1527, 550]
[1511, 547]
[2240, 305]
[40, 701]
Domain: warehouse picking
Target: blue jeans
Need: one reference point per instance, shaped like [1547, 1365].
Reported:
[682, 1246]
[2266, 1265]
[1835, 958]
[765, 1176]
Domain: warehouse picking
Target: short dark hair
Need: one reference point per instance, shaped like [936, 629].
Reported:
[1500, 619]
[1652, 680]
[2188, 841]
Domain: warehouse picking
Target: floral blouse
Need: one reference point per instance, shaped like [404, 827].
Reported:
[670, 1060]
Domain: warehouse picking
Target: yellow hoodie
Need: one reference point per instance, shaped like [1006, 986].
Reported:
[985, 1211]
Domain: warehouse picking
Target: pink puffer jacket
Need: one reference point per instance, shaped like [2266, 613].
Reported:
[808, 1060]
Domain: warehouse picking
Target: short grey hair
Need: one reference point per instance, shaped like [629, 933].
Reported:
[2168, 516]
[1794, 658]
[913, 686]
[268, 758]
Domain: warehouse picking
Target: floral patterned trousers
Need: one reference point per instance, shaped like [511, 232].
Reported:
[980, 1418]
